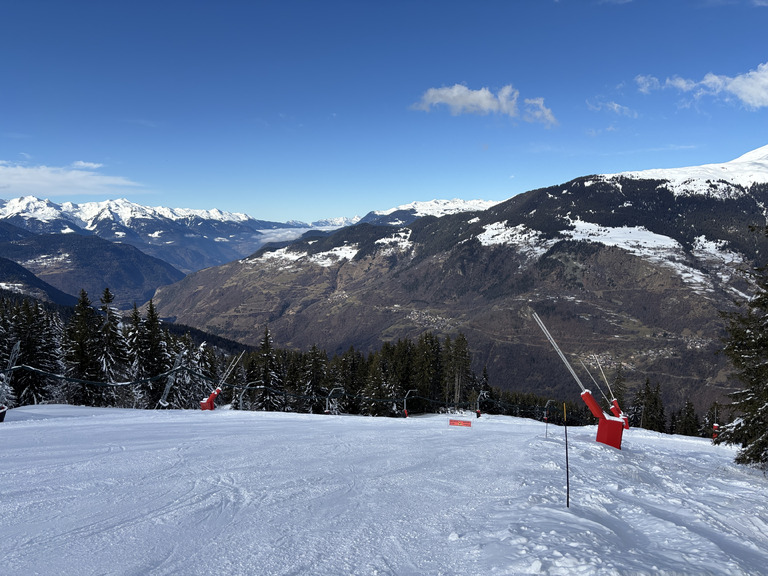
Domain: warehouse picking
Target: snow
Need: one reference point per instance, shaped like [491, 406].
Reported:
[283, 257]
[108, 491]
[122, 211]
[335, 255]
[30, 207]
[440, 207]
[526, 240]
[399, 241]
[711, 179]
[664, 251]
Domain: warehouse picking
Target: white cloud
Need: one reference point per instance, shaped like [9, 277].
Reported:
[49, 181]
[79, 164]
[680, 84]
[750, 88]
[647, 83]
[462, 100]
[535, 111]
[614, 107]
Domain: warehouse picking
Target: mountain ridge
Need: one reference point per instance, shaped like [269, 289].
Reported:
[622, 268]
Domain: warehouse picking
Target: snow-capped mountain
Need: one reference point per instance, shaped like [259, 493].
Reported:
[632, 268]
[715, 180]
[406, 213]
[185, 238]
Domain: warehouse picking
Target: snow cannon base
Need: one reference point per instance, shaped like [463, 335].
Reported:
[208, 403]
[610, 431]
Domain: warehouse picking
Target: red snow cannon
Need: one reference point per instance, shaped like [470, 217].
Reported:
[208, 404]
[610, 429]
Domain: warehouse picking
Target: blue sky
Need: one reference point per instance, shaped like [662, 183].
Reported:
[307, 109]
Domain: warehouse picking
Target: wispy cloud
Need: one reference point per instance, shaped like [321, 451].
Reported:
[80, 165]
[463, 100]
[614, 107]
[535, 111]
[750, 88]
[49, 181]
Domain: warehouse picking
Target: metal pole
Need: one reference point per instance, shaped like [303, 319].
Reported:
[557, 349]
[567, 469]
[405, 402]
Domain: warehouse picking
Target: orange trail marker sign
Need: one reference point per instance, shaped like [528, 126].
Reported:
[466, 423]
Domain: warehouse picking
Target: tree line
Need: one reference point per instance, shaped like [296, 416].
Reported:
[94, 356]
[97, 357]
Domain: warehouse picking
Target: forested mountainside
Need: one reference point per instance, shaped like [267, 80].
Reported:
[633, 271]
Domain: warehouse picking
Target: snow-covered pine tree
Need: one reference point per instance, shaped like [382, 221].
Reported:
[747, 348]
[236, 385]
[205, 365]
[7, 397]
[51, 353]
[112, 353]
[314, 379]
[348, 372]
[134, 338]
[81, 352]
[270, 394]
[378, 390]
[39, 333]
[150, 355]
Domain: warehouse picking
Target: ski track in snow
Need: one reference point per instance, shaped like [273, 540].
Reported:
[106, 491]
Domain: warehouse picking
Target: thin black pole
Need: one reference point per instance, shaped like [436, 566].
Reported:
[567, 469]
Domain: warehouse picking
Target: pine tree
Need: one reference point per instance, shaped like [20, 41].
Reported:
[7, 397]
[112, 352]
[314, 380]
[237, 382]
[378, 396]
[134, 338]
[458, 374]
[270, 395]
[188, 385]
[619, 386]
[349, 372]
[647, 409]
[688, 423]
[39, 334]
[747, 348]
[428, 371]
[81, 354]
[157, 357]
[206, 363]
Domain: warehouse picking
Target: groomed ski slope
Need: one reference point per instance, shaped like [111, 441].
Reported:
[107, 491]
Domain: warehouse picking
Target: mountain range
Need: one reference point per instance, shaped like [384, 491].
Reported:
[627, 270]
